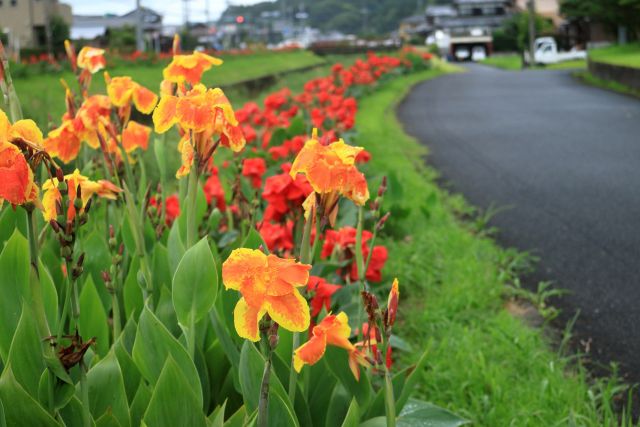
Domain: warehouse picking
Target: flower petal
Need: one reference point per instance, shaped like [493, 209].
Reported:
[164, 116]
[144, 99]
[246, 320]
[310, 352]
[290, 311]
[242, 266]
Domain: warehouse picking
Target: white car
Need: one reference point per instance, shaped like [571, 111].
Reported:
[462, 53]
[478, 54]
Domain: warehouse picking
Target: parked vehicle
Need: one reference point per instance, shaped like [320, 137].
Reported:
[462, 53]
[478, 53]
[546, 52]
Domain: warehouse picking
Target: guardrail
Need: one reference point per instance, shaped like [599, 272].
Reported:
[627, 76]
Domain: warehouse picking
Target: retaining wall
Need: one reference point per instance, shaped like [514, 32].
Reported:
[627, 76]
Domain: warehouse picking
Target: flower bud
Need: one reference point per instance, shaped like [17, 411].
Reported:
[392, 304]
[54, 224]
[59, 175]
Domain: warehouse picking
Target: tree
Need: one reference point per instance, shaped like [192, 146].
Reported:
[611, 13]
[59, 32]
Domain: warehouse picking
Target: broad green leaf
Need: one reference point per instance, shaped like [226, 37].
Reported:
[254, 241]
[3, 422]
[173, 402]
[72, 413]
[417, 413]
[195, 284]
[62, 391]
[352, 419]
[160, 267]
[14, 282]
[280, 413]
[10, 219]
[166, 313]
[97, 259]
[216, 419]
[154, 344]
[49, 297]
[377, 407]
[132, 293]
[175, 247]
[321, 385]
[19, 405]
[237, 419]
[411, 381]
[338, 406]
[107, 420]
[93, 319]
[25, 355]
[129, 370]
[338, 362]
[251, 369]
[140, 403]
[159, 149]
[106, 390]
[218, 367]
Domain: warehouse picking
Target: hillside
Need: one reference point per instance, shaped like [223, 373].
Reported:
[348, 16]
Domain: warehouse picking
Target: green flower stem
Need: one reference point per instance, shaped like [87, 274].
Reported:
[115, 307]
[263, 402]
[359, 256]
[305, 258]
[389, 400]
[84, 391]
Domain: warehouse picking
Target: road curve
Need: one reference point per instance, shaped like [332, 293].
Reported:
[565, 159]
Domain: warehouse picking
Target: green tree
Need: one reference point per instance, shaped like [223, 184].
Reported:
[611, 13]
[59, 32]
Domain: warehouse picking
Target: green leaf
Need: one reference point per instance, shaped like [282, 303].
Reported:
[280, 413]
[9, 220]
[338, 406]
[417, 413]
[97, 259]
[140, 403]
[159, 149]
[72, 413]
[93, 319]
[154, 344]
[3, 422]
[173, 402]
[237, 419]
[25, 355]
[251, 369]
[132, 293]
[338, 362]
[352, 419]
[107, 420]
[216, 419]
[106, 390]
[62, 391]
[166, 312]
[254, 241]
[175, 247]
[129, 370]
[411, 381]
[14, 282]
[195, 284]
[50, 297]
[19, 405]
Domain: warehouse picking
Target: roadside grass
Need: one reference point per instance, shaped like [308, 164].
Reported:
[588, 78]
[483, 362]
[628, 55]
[42, 96]
[514, 63]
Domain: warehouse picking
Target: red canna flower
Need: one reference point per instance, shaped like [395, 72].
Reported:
[254, 169]
[277, 237]
[214, 192]
[322, 292]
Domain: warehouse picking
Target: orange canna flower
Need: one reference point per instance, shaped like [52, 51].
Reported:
[135, 136]
[123, 90]
[88, 188]
[64, 141]
[91, 59]
[333, 330]
[268, 286]
[189, 68]
[330, 169]
[16, 177]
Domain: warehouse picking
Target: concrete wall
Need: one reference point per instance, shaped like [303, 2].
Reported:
[18, 17]
[627, 76]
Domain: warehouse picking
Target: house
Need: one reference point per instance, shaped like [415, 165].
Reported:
[89, 27]
[413, 26]
[23, 22]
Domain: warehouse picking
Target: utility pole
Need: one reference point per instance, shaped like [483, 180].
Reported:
[532, 32]
[185, 12]
[47, 26]
[139, 40]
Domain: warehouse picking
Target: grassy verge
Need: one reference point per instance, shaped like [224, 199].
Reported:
[627, 55]
[514, 63]
[43, 96]
[588, 78]
[484, 363]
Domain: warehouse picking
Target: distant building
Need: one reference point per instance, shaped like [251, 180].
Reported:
[23, 21]
[412, 27]
[89, 27]
[547, 8]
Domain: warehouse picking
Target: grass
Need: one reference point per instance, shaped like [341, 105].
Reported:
[588, 78]
[42, 96]
[627, 55]
[483, 363]
[514, 63]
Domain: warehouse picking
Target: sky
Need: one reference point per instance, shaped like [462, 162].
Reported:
[172, 10]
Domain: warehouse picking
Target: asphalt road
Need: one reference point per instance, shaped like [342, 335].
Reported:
[565, 159]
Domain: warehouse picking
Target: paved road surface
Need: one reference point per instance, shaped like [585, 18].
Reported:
[566, 158]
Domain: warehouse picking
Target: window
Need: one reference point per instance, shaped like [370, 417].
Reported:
[476, 11]
[499, 10]
[14, 2]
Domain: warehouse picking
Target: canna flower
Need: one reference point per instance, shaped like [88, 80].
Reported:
[254, 169]
[171, 206]
[282, 192]
[333, 330]
[322, 294]
[213, 190]
[88, 188]
[268, 286]
[16, 177]
[331, 170]
[91, 59]
[123, 90]
[189, 68]
[135, 136]
[277, 237]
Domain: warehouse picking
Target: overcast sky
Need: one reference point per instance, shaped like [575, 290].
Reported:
[171, 9]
